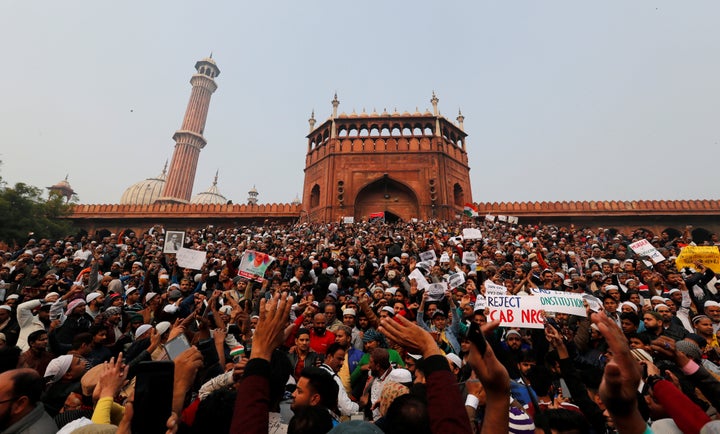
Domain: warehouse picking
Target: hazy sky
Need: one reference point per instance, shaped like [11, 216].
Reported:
[563, 100]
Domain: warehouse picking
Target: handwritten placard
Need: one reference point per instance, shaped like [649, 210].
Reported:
[188, 258]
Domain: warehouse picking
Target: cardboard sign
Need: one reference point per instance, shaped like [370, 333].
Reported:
[516, 311]
[709, 256]
[188, 258]
[644, 248]
[456, 280]
[428, 256]
[254, 264]
[436, 291]
[472, 234]
[494, 290]
[480, 303]
[469, 258]
[559, 301]
[422, 282]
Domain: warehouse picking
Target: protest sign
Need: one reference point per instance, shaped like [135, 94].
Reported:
[422, 282]
[469, 258]
[188, 258]
[428, 256]
[254, 264]
[516, 311]
[348, 220]
[709, 256]
[502, 218]
[444, 258]
[644, 248]
[559, 301]
[472, 234]
[480, 303]
[436, 291]
[490, 218]
[492, 289]
[456, 280]
[512, 220]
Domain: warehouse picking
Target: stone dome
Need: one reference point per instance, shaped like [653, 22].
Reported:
[211, 196]
[145, 192]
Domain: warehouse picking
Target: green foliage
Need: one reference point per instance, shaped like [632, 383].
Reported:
[23, 210]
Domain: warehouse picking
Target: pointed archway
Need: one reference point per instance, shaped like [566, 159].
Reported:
[388, 195]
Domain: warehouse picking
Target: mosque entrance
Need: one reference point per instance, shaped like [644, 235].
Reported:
[387, 195]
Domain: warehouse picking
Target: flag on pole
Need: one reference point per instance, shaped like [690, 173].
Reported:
[470, 210]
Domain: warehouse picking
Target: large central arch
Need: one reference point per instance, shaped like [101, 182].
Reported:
[386, 194]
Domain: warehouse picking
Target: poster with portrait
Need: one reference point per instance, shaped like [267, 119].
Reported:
[174, 240]
[254, 264]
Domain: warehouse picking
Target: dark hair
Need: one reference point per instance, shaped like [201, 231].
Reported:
[28, 383]
[564, 420]
[381, 357]
[310, 419]
[34, 336]
[214, 414]
[407, 415]
[96, 329]
[632, 317]
[332, 349]
[323, 384]
[80, 339]
[302, 332]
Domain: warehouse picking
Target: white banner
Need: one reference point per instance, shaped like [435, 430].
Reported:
[456, 280]
[516, 311]
[492, 289]
[428, 256]
[563, 302]
[472, 234]
[422, 282]
[644, 248]
[188, 258]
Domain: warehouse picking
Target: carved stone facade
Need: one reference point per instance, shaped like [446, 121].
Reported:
[406, 165]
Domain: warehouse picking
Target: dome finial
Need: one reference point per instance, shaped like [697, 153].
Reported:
[216, 176]
[434, 100]
[164, 171]
[335, 103]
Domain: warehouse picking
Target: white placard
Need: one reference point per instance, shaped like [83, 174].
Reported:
[348, 220]
[559, 301]
[428, 256]
[188, 258]
[444, 258]
[490, 218]
[512, 220]
[472, 234]
[494, 290]
[644, 248]
[469, 258]
[516, 311]
[456, 280]
[480, 303]
[422, 282]
[436, 291]
[502, 218]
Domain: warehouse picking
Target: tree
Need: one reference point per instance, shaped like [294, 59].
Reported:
[24, 213]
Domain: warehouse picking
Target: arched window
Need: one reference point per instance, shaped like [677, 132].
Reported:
[315, 196]
[458, 195]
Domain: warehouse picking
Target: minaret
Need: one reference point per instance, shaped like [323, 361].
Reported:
[312, 121]
[252, 196]
[434, 101]
[189, 138]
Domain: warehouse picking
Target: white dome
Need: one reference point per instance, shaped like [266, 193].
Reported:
[211, 196]
[144, 192]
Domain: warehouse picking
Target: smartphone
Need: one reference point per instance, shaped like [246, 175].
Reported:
[153, 397]
[176, 346]
[476, 337]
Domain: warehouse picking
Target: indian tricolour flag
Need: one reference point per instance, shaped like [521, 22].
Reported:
[470, 210]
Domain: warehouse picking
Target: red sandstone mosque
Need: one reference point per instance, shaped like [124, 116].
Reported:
[406, 165]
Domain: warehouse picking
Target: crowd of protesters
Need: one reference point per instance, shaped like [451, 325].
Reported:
[336, 337]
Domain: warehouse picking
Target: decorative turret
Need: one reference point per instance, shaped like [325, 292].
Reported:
[460, 120]
[252, 196]
[311, 121]
[62, 189]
